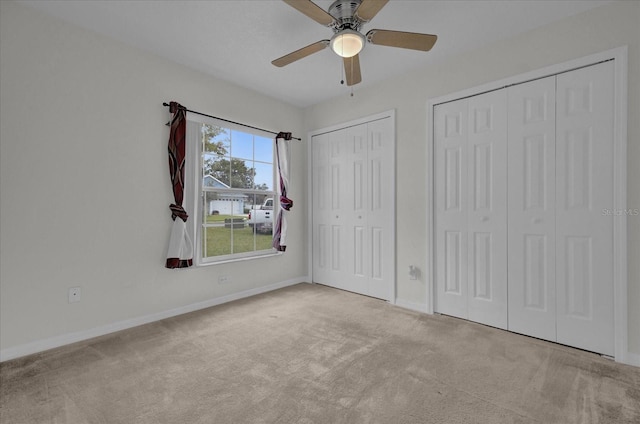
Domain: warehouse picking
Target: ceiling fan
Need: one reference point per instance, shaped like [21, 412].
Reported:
[345, 18]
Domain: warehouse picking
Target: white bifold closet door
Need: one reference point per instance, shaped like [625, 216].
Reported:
[560, 181]
[538, 261]
[353, 202]
[470, 221]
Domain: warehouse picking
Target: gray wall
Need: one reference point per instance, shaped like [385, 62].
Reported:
[85, 190]
[84, 187]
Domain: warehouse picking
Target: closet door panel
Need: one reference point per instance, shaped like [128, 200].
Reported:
[584, 191]
[321, 227]
[450, 221]
[380, 208]
[357, 246]
[338, 221]
[531, 210]
[487, 209]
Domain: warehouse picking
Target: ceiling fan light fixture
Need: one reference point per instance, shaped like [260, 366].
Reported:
[347, 43]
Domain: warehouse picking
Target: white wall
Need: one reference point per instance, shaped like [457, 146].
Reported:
[85, 190]
[591, 32]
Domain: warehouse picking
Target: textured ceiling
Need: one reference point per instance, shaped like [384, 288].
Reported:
[236, 40]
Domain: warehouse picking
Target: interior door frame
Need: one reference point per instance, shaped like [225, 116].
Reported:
[620, 271]
[391, 114]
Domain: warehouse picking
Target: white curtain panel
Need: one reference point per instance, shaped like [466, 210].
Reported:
[283, 156]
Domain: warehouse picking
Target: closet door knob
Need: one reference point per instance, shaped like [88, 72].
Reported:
[536, 220]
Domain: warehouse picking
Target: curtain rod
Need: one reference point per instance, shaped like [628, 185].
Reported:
[231, 122]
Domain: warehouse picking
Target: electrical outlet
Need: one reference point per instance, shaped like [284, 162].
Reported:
[413, 272]
[75, 294]
[224, 279]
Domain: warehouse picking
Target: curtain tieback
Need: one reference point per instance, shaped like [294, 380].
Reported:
[286, 203]
[178, 211]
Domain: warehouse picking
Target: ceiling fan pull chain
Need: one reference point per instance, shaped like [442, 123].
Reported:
[352, 76]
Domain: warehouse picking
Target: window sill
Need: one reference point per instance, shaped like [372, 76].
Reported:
[247, 258]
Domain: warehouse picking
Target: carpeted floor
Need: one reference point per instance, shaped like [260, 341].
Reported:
[312, 354]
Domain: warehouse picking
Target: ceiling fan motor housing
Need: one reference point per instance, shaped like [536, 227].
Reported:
[344, 12]
[347, 40]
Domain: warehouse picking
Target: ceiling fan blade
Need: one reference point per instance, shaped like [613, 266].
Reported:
[405, 40]
[300, 54]
[312, 10]
[369, 8]
[352, 70]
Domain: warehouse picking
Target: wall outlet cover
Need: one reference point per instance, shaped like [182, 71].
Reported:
[75, 294]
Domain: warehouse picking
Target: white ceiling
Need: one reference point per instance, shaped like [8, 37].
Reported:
[236, 40]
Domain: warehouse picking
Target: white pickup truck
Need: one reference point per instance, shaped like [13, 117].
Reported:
[262, 218]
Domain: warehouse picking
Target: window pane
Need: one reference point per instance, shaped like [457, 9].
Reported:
[216, 171]
[242, 145]
[225, 203]
[215, 140]
[226, 241]
[210, 206]
[263, 149]
[263, 179]
[217, 242]
[241, 173]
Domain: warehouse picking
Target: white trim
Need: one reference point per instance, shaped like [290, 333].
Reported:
[309, 209]
[382, 115]
[249, 257]
[391, 114]
[620, 269]
[620, 277]
[65, 339]
[430, 212]
[394, 283]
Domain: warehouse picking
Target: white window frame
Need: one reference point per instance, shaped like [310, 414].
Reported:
[194, 192]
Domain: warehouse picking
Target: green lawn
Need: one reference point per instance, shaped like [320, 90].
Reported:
[221, 218]
[219, 240]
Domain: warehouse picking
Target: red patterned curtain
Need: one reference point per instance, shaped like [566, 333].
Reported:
[180, 252]
[282, 159]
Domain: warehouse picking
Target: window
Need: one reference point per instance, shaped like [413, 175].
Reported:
[235, 178]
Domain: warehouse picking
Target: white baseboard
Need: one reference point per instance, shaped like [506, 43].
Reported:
[414, 306]
[633, 359]
[629, 359]
[65, 339]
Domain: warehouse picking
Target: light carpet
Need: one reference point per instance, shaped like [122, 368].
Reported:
[313, 354]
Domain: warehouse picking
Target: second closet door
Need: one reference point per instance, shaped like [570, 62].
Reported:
[532, 208]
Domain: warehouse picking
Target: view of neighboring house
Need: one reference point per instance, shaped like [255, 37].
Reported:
[226, 203]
